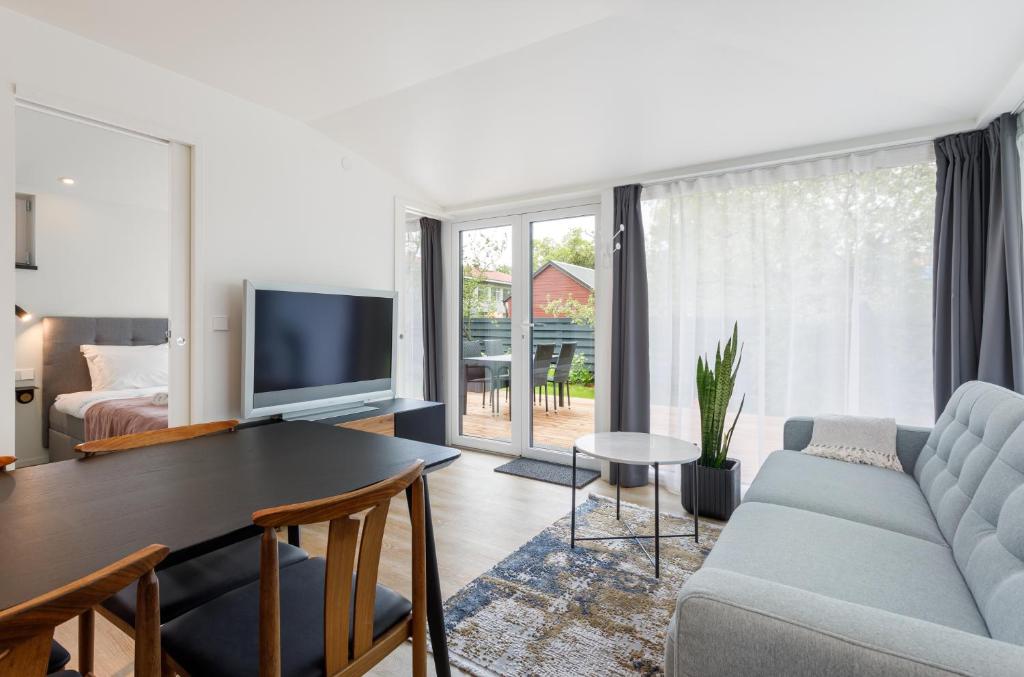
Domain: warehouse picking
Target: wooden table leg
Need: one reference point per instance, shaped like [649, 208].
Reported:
[435, 605]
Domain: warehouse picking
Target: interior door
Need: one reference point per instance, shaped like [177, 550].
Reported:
[179, 318]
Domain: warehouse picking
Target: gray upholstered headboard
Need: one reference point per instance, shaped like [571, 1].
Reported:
[64, 367]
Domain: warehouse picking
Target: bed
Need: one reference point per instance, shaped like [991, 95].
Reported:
[65, 372]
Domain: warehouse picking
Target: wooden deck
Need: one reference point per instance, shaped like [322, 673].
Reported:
[550, 430]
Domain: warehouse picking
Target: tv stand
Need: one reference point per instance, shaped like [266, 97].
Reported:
[331, 412]
[400, 417]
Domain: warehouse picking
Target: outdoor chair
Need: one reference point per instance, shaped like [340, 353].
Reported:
[560, 379]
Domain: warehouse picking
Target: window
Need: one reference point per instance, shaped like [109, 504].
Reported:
[825, 265]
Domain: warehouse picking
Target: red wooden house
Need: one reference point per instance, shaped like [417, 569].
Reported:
[558, 280]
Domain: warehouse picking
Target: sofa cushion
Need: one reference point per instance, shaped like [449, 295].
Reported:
[862, 493]
[989, 543]
[965, 440]
[847, 560]
[972, 471]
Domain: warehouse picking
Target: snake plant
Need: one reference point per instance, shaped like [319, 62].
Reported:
[714, 390]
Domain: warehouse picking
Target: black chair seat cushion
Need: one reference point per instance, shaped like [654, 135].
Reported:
[59, 657]
[185, 586]
[222, 637]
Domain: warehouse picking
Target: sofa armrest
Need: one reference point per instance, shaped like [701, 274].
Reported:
[796, 433]
[910, 440]
[731, 624]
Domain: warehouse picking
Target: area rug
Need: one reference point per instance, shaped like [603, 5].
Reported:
[595, 610]
[552, 473]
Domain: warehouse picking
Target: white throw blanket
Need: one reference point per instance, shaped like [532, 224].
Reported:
[76, 404]
[856, 439]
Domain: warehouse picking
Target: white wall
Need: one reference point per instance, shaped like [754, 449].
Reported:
[274, 200]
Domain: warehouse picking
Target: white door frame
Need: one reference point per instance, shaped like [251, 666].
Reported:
[522, 288]
[521, 335]
[453, 334]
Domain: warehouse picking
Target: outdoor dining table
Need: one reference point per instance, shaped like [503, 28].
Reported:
[494, 363]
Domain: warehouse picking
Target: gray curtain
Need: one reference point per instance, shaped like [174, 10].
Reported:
[631, 375]
[433, 310]
[978, 301]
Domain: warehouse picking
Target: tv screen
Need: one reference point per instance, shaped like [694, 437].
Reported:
[315, 346]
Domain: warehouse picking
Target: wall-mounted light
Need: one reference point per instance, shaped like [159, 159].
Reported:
[67, 180]
[22, 314]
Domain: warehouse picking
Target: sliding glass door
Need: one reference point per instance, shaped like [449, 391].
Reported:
[522, 359]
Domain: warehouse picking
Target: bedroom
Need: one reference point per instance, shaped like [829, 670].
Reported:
[93, 266]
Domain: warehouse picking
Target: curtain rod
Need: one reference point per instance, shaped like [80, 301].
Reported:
[770, 164]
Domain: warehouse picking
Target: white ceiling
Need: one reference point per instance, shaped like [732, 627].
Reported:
[473, 101]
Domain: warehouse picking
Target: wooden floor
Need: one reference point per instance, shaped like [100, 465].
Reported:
[551, 429]
[480, 517]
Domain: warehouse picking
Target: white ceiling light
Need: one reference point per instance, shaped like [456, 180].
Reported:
[67, 180]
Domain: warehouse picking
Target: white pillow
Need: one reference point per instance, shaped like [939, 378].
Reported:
[124, 367]
[856, 439]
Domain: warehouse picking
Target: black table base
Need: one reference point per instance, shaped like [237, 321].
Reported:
[657, 536]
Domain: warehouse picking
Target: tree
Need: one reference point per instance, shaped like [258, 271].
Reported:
[577, 247]
[578, 312]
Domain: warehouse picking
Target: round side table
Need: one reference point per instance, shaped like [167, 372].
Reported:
[637, 449]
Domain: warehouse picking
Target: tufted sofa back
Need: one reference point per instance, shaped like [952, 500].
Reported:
[971, 470]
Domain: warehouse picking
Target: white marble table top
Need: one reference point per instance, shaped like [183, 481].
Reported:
[637, 448]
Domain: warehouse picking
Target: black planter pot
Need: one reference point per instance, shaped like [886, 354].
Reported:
[719, 489]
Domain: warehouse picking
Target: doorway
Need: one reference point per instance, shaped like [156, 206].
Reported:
[521, 340]
[103, 259]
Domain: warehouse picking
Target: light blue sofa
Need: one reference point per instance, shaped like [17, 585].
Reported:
[832, 568]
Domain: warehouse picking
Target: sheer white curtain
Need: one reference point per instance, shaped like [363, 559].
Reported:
[826, 266]
[410, 299]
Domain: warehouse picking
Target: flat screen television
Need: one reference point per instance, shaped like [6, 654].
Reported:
[310, 351]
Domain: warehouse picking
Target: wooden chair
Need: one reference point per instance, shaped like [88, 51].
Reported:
[151, 438]
[191, 583]
[270, 627]
[26, 630]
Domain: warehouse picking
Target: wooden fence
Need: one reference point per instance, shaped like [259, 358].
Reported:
[555, 330]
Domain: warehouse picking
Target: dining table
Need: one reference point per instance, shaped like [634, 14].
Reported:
[61, 521]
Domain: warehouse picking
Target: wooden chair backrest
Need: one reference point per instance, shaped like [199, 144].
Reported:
[26, 629]
[154, 437]
[342, 561]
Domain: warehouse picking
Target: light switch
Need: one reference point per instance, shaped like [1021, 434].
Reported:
[24, 374]
[220, 323]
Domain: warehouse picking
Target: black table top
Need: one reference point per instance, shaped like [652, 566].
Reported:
[61, 521]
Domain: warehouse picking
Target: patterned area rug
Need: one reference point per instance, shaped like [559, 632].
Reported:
[597, 610]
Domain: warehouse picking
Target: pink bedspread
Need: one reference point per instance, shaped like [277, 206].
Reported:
[123, 417]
